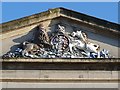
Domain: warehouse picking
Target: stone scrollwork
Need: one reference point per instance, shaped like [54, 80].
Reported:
[59, 45]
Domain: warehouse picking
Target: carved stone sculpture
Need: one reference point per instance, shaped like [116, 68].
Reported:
[81, 35]
[60, 45]
[61, 28]
[29, 48]
[41, 37]
[82, 43]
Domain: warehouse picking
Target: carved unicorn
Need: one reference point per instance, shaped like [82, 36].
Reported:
[82, 43]
[81, 35]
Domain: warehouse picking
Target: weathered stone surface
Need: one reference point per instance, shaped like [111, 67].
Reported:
[61, 64]
[102, 32]
[17, 36]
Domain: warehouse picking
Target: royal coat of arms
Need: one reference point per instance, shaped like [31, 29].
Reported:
[58, 45]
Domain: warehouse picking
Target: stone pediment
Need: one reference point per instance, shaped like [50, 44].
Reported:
[60, 33]
[60, 12]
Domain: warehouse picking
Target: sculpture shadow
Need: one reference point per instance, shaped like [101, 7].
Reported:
[27, 37]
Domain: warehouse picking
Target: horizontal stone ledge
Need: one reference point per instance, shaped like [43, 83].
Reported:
[65, 60]
[42, 80]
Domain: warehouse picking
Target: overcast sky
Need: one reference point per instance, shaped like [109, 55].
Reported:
[104, 10]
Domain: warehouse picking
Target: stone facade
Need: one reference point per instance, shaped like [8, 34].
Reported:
[101, 32]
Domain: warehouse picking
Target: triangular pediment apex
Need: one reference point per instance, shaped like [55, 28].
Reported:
[57, 12]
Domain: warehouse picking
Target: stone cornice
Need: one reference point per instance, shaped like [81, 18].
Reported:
[57, 12]
[82, 60]
[29, 20]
